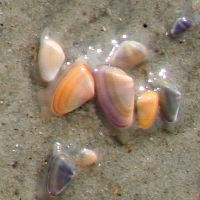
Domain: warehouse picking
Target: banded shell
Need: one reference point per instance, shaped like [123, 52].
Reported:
[50, 58]
[147, 109]
[87, 158]
[169, 101]
[115, 94]
[181, 25]
[72, 89]
[60, 174]
[129, 54]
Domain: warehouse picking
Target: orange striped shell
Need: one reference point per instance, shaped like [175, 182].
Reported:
[72, 89]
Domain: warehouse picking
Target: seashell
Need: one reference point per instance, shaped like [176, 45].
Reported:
[60, 174]
[181, 25]
[115, 94]
[147, 109]
[87, 158]
[129, 54]
[50, 58]
[169, 98]
[73, 88]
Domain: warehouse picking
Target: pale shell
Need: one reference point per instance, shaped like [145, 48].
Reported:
[50, 58]
[129, 54]
[87, 158]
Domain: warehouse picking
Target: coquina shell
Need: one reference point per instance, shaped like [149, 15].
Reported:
[87, 157]
[50, 59]
[115, 94]
[72, 89]
[147, 109]
[169, 99]
[129, 54]
[60, 174]
[181, 25]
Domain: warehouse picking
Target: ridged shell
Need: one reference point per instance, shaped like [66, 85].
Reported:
[87, 158]
[50, 59]
[181, 25]
[115, 94]
[59, 176]
[147, 109]
[169, 101]
[129, 54]
[72, 89]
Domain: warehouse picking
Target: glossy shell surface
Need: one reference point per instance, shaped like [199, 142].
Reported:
[169, 99]
[147, 109]
[59, 176]
[129, 54]
[115, 94]
[72, 89]
[50, 59]
[181, 25]
[87, 158]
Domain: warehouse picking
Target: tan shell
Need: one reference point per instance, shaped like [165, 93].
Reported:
[50, 59]
[87, 158]
[129, 54]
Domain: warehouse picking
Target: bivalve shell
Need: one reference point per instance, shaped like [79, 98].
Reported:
[147, 109]
[60, 174]
[170, 99]
[115, 94]
[72, 89]
[50, 58]
[181, 25]
[87, 158]
[129, 54]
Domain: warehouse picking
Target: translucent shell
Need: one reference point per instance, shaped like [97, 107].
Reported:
[169, 101]
[87, 158]
[129, 54]
[72, 89]
[115, 94]
[181, 25]
[50, 58]
[147, 109]
[60, 175]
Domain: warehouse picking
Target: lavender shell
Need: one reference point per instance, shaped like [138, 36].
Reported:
[115, 95]
[181, 25]
[60, 174]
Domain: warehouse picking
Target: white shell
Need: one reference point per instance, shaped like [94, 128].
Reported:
[50, 58]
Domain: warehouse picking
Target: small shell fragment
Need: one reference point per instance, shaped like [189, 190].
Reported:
[115, 95]
[129, 54]
[73, 88]
[181, 25]
[147, 109]
[87, 158]
[50, 58]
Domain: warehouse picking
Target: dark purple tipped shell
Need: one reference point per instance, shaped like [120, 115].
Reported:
[181, 25]
[115, 94]
[60, 175]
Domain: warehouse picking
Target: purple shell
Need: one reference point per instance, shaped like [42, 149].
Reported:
[59, 176]
[181, 25]
[115, 94]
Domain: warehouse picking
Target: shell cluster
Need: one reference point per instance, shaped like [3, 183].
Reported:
[71, 86]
